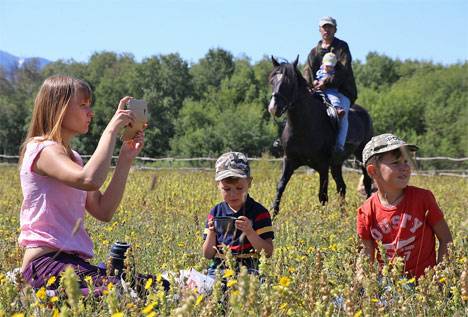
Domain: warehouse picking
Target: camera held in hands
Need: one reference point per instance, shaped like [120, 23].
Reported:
[139, 108]
[225, 224]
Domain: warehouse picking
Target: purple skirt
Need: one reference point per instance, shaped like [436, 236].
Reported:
[39, 270]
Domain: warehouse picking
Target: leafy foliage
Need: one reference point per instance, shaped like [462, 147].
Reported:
[219, 103]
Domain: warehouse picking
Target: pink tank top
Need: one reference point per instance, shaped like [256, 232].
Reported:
[52, 213]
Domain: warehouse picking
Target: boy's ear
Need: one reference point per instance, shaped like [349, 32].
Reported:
[371, 170]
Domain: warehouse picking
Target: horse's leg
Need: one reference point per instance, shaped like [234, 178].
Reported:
[288, 170]
[338, 177]
[323, 190]
[367, 182]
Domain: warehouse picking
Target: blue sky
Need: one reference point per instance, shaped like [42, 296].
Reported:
[69, 29]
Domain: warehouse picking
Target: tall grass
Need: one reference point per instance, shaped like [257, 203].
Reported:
[316, 268]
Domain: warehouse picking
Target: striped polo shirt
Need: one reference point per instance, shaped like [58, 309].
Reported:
[261, 223]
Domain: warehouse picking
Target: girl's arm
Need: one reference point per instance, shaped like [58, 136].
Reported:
[55, 162]
[444, 236]
[103, 206]
[209, 245]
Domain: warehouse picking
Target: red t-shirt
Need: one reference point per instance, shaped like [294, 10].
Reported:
[405, 229]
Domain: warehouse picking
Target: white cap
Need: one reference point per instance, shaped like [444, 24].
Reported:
[329, 59]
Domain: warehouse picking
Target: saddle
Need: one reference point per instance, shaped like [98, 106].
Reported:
[331, 111]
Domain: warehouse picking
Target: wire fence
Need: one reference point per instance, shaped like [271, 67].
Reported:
[207, 163]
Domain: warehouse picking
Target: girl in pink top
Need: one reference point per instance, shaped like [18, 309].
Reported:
[58, 188]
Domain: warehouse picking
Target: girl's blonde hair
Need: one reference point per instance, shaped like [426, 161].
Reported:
[50, 106]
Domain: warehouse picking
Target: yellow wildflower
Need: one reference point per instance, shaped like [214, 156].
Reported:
[374, 300]
[228, 273]
[199, 300]
[55, 313]
[284, 281]
[284, 306]
[148, 308]
[358, 313]
[88, 279]
[231, 283]
[41, 293]
[148, 284]
[119, 314]
[51, 280]
[442, 280]
[54, 299]
[18, 315]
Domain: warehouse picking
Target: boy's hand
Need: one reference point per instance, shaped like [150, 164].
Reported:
[211, 225]
[319, 85]
[244, 224]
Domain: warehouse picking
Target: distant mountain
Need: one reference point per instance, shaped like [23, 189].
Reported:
[9, 62]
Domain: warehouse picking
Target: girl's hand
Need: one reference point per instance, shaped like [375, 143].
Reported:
[131, 148]
[244, 224]
[121, 117]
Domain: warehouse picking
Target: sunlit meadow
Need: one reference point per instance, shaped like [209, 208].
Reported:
[316, 269]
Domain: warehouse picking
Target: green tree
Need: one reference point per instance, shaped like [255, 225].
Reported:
[379, 71]
[164, 82]
[211, 70]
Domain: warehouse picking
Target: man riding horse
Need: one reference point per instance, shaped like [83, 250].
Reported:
[342, 79]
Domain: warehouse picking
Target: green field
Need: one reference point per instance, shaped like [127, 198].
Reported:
[316, 268]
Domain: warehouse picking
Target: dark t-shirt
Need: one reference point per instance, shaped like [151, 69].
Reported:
[261, 223]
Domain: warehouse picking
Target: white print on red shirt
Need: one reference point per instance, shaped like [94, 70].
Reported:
[405, 246]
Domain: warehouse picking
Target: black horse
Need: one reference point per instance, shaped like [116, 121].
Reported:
[309, 135]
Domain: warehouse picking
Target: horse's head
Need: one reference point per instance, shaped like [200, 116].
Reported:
[284, 82]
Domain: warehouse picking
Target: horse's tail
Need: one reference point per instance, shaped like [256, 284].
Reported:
[367, 127]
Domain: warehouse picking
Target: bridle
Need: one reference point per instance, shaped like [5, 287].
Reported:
[278, 95]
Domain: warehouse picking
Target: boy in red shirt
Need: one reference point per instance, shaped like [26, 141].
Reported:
[405, 219]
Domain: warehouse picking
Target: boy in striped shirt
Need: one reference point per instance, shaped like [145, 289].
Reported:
[250, 230]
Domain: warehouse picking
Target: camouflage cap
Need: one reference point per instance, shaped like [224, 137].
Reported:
[232, 164]
[384, 143]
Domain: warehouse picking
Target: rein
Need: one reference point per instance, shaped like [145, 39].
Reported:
[288, 103]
